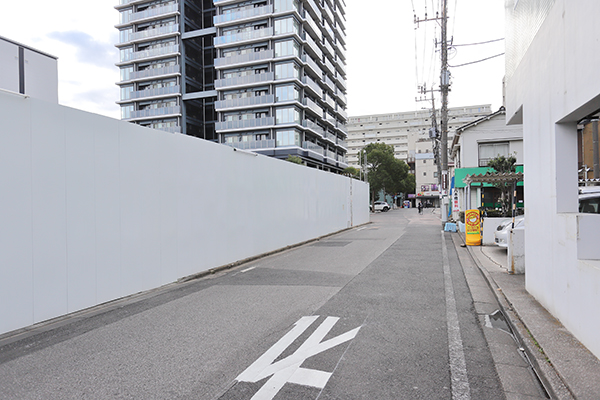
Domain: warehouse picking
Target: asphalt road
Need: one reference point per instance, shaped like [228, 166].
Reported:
[378, 312]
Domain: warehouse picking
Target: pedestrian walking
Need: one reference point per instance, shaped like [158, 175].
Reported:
[420, 207]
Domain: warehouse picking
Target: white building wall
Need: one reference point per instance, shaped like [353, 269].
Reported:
[556, 84]
[93, 209]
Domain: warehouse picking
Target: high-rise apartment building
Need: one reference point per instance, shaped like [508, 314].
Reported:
[167, 65]
[262, 75]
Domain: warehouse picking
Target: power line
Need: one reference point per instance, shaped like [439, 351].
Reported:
[475, 44]
[475, 62]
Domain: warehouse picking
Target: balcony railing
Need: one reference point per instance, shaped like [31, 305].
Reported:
[342, 113]
[245, 123]
[245, 102]
[150, 33]
[312, 24]
[149, 13]
[310, 5]
[329, 66]
[152, 72]
[312, 45]
[160, 51]
[342, 97]
[243, 14]
[329, 48]
[313, 85]
[155, 112]
[311, 64]
[313, 147]
[341, 66]
[314, 127]
[313, 106]
[244, 58]
[244, 80]
[331, 137]
[154, 92]
[253, 144]
[242, 36]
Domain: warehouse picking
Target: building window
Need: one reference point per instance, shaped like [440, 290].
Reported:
[488, 151]
[286, 25]
[287, 93]
[287, 48]
[288, 137]
[287, 70]
[288, 115]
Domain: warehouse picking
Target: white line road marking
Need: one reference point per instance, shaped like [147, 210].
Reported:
[458, 367]
[247, 269]
[288, 369]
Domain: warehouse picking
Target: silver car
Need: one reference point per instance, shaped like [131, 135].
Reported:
[503, 230]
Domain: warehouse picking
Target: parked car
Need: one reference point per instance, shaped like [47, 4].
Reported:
[589, 200]
[502, 232]
[380, 206]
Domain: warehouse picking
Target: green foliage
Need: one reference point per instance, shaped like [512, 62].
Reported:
[294, 159]
[352, 172]
[385, 172]
[503, 164]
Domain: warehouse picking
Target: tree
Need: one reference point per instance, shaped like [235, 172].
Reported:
[504, 165]
[352, 172]
[385, 172]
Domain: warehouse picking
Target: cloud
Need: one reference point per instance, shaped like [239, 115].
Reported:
[88, 49]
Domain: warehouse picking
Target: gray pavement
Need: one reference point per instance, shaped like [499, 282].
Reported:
[566, 369]
[411, 314]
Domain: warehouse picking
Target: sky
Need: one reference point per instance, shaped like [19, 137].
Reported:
[388, 55]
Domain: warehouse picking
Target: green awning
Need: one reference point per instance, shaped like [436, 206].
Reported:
[461, 173]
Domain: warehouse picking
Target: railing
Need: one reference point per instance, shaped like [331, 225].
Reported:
[342, 97]
[245, 80]
[150, 72]
[331, 154]
[252, 144]
[340, 66]
[329, 66]
[311, 63]
[152, 12]
[237, 15]
[245, 102]
[244, 58]
[238, 37]
[329, 101]
[148, 33]
[160, 51]
[155, 112]
[329, 48]
[312, 24]
[170, 129]
[313, 147]
[342, 112]
[312, 6]
[313, 106]
[313, 85]
[313, 46]
[330, 136]
[245, 123]
[342, 127]
[153, 92]
[342, 82]
[311, 125]
[328, 13]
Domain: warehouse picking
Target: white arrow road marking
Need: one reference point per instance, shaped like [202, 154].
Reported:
[288, 369]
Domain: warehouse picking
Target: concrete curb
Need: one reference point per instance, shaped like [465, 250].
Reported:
[542, 367]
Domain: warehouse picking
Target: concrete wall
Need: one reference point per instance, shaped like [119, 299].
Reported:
[556, 84]
[93, 209]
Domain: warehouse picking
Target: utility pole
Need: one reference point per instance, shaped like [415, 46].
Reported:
[445, 88]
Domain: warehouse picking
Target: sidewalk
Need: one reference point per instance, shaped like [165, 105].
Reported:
[566, 368]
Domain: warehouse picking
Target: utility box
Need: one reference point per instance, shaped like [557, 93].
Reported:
[516, 251]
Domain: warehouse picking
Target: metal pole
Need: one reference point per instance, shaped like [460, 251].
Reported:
[445, 87]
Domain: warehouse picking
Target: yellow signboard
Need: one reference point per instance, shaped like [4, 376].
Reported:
[473, 227]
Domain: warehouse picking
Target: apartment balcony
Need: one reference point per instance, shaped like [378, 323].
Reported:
[328, 31]
[311, 24]
[342, 127]
[342, 82]
[154, 93]
[313, 47]
[244, 58]
[245, 124]
[328, 14]
[244, 102]
[329, 66]
[170, 129]
[159, 52]
[313, 106]
[243, 36]
[310, 63]
[343, 143]
[149, 14]
[341, 97]
[247, 80]
[314, 148]
[341, 52]
[155, 112]
[341, 67]
[313, 127]
[253, 144]
[329, 48]
[311, 6]
[342, 113]
[163, 31]
[238, 16]
[329, 84]
[331, 137]
[313, 86]
[155, 72]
